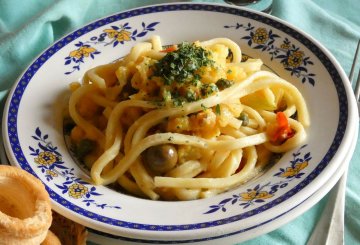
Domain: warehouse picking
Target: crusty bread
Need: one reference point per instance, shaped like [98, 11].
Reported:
[25, 210]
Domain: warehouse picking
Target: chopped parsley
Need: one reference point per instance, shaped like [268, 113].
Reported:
[208, 89]
[218, 110]
[190, 95]
[180, 101]
[203, 107]
[182, 64]
[180, 73]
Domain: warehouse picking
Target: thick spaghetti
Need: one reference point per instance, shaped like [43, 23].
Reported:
[185, 122]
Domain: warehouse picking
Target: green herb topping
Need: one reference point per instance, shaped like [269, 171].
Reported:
[218, 109]
[208, 89]
[181, 65]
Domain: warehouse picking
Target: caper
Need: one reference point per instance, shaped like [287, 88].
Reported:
[245, 118]
[84, 147]
[160, 158]
[223, 83]
[68, 125]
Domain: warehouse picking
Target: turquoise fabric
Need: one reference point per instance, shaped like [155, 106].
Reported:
[28, 27]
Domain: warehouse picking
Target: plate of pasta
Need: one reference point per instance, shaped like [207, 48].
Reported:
[232, 121]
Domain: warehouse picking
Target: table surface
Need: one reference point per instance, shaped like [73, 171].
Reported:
[27, 30]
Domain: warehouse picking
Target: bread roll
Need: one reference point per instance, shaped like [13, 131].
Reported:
[25, 210]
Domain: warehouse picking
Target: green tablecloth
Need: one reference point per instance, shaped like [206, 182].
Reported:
[28, 27]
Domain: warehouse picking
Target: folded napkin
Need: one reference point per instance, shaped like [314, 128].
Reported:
[28, 27]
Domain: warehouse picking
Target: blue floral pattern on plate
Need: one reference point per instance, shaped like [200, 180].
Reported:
[49, 160]
[291, 57]
[117, 34]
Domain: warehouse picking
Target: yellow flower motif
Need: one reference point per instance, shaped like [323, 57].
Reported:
[295, 59]
[290, 172]
[261, 36]
[77, 191]
[123, 36]
[45, 158]
[120, 36]
[111, 33]
[252, 195]
[264, 195]
[51, 173]
[83, 51]
[285, 46]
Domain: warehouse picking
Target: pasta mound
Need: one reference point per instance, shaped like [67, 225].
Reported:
[183, 122]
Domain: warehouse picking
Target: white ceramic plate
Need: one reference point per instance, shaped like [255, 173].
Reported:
[34, 138]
